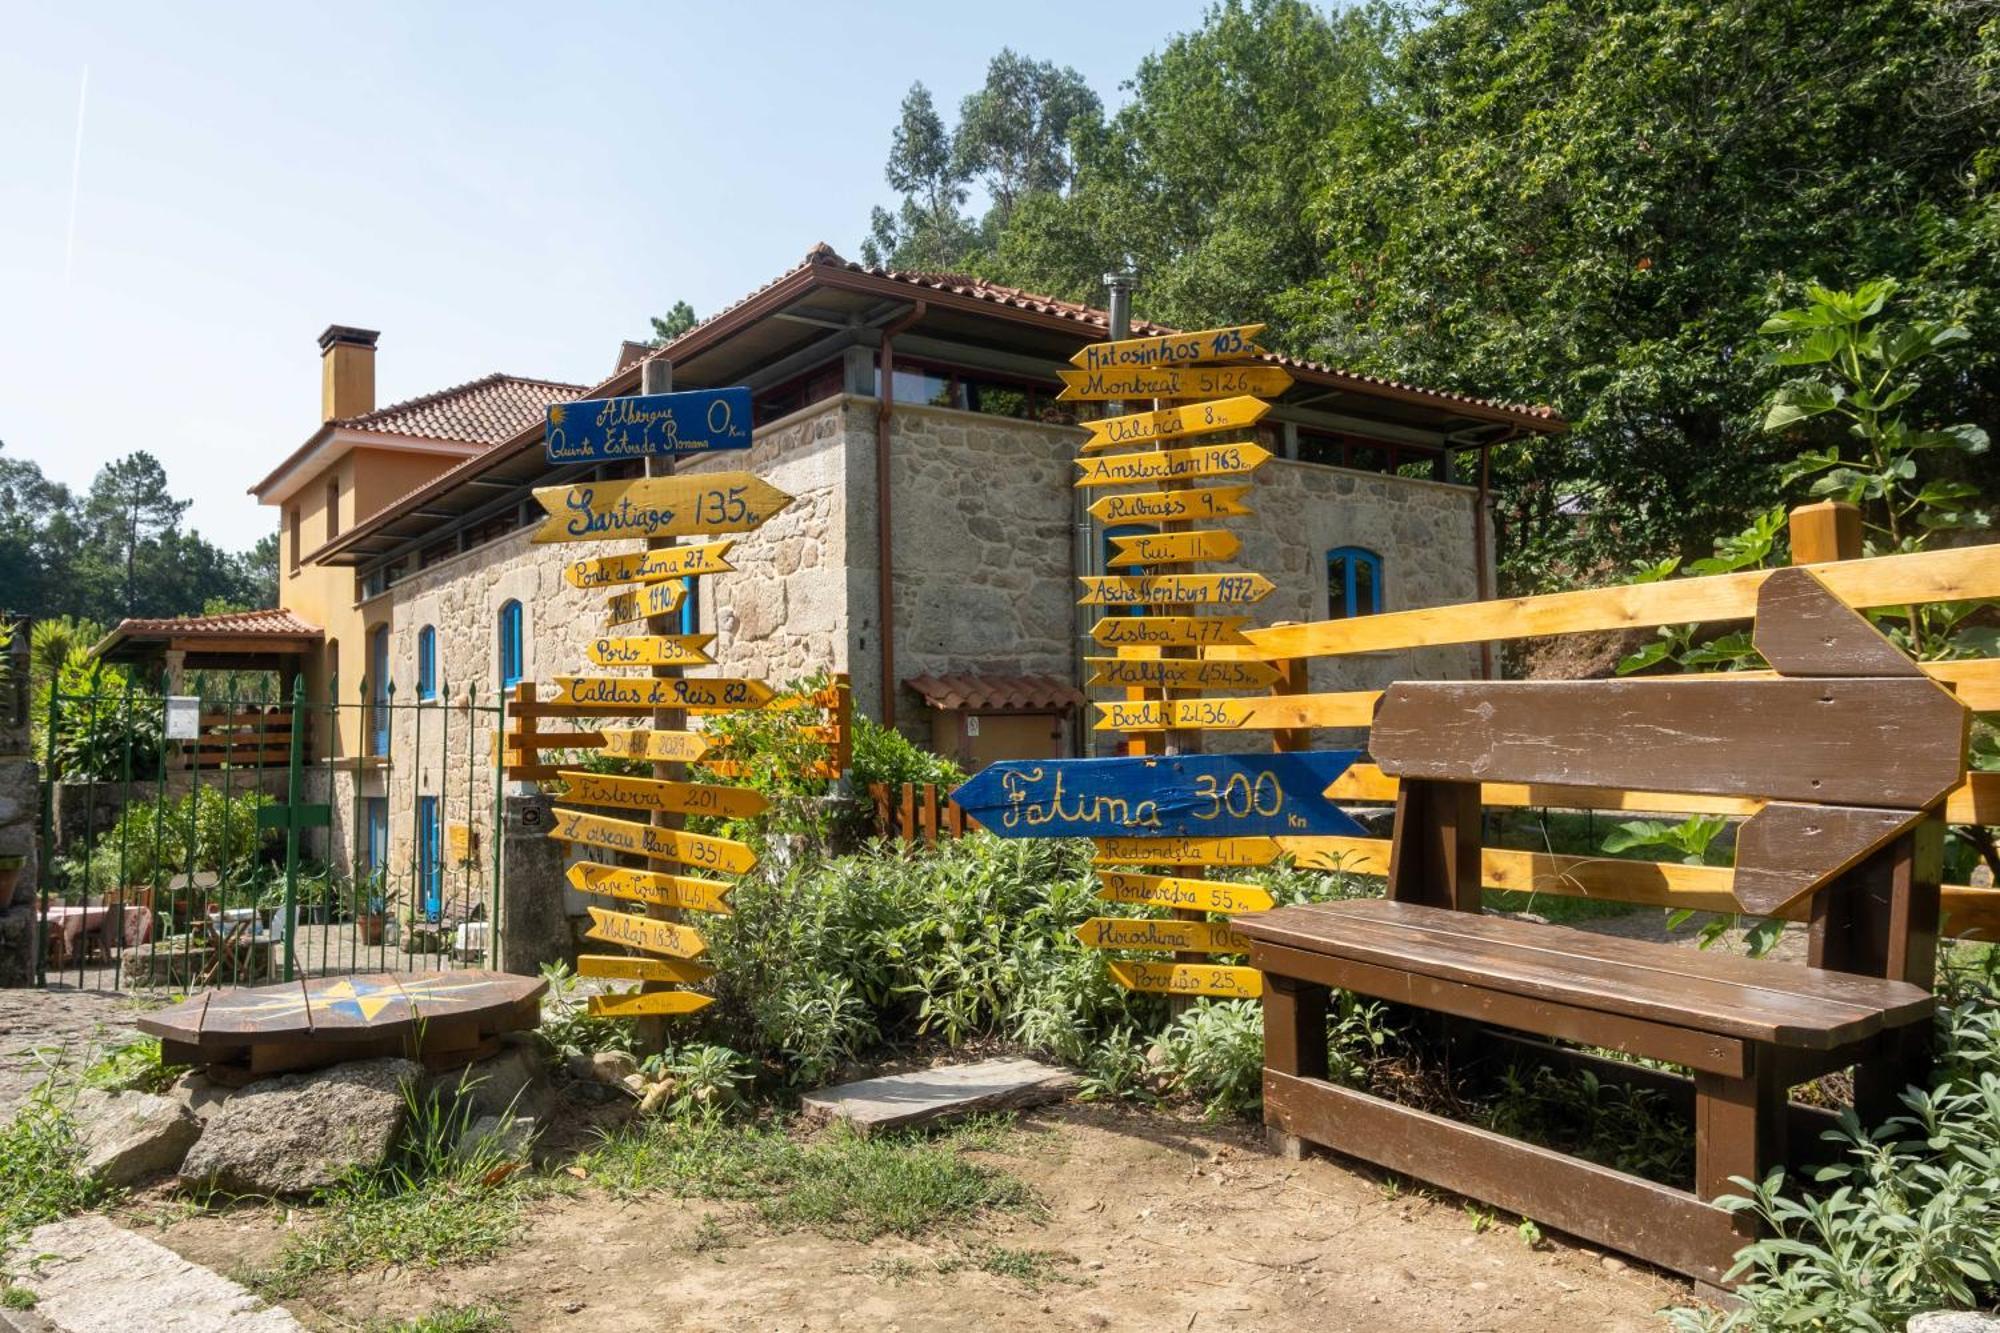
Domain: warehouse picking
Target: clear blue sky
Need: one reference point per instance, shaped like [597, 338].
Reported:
[499, 187]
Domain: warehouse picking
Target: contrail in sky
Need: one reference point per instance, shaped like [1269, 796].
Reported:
[75, 175]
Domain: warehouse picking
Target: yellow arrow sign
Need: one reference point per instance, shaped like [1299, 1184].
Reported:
[1194, 506]
[1174, 548]
[1130, 932]
[662, 844]
[643, 932]
[1171, 382]
[1175, 589]
[1178, 714]
[1169, 631]
[1171, 423]
[636, 694]
[1195, 895]
[1233, 459]
[650, 566]
[655, 599]
[624, 967]
[1231, 343]
[639, 1004]
[650, 886]
[662, 747]
[680, 798]
[690, 505]
[1235, 983]
[1180, 673]
[651, 650]
[1186, 851]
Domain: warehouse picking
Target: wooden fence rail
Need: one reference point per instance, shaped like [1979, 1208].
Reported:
[916, 812]
[245, 736]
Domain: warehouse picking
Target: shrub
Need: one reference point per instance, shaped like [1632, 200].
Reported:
[205, 830]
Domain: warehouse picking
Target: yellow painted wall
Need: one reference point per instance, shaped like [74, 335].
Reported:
[370, 479]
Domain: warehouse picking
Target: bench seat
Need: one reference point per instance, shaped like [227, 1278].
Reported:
[1706, 991]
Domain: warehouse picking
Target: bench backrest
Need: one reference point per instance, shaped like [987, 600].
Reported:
[1853, 747]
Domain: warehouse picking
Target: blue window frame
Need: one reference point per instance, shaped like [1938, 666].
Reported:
[378, 690]
[512, 659]
[430, 856]
[1353, 582]
[377, 813]
[691, 607]
[427, 663]
[1104, 560]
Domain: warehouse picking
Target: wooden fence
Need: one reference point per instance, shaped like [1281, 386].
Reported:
[917, 812]
[239, 736]
[1820, 536]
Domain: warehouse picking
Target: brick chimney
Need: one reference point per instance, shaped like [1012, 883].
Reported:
[347, 372]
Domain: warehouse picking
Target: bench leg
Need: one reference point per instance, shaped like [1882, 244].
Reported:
[1900, 1059]
[1739, 1127]
[1294, 1043]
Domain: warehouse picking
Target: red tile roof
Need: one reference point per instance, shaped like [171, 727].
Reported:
[275, 623]
[484, 411]
[969, 693]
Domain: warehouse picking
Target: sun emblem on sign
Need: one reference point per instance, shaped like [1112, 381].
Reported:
[556, 414]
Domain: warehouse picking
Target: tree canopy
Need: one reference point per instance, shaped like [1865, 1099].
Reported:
[1588, 203]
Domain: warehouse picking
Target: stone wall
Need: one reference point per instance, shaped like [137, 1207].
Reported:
[20, 811]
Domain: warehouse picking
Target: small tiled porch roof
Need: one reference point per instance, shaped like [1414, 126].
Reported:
[275, 630]
[972, 693]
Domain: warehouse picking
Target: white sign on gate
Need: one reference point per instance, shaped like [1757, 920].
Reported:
[183, 717]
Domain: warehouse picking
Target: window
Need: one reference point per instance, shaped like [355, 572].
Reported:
[513, 662]
[379, 690]
[427, 663]
[691, 606]
[1353, 582]
[430, 857]
[295, 539]
[332, 508]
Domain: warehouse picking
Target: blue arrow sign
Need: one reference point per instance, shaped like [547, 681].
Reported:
[696, 422]
[1174, 796]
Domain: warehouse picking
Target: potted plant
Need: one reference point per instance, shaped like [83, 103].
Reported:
[371, 909]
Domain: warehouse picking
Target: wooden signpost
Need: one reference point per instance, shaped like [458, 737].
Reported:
[1169, 631]
[1173, 548]
[642, 694]
[1175, 589]
[1180, 673]
[671, 747]
[1234, 459]
[1196, 895]
[1196, 796]
[653, 887]
[1231, 343]
[690, 422]
[654, 599]
[631, 967]
[1196, 506]
[650, 840]
[681, 798]
[651, 650]
[1118, 386]
[699, 504]
[1227, 983]
[644, 932]
[646, 1003]
[673, 562]
[1148, 932]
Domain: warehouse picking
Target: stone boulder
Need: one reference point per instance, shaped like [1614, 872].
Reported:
[513, 1082]
[1954, 1321]
[129, 1137]
[301, 1132]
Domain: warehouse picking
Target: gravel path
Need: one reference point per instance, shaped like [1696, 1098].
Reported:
[37, 1025]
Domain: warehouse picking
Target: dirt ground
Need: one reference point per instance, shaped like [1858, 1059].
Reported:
[1151, 1222]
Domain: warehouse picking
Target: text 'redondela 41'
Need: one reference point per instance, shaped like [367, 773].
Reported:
[697, 421]
[1199, 795]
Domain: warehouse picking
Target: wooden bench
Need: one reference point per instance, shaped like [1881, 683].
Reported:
[1854, 748]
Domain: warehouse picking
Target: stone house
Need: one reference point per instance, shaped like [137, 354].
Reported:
[944, 586]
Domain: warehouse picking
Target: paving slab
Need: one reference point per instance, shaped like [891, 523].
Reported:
[90, 1275]
[944, 1093]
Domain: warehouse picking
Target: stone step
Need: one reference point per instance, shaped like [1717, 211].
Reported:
[945, 1093]
[92, 1276]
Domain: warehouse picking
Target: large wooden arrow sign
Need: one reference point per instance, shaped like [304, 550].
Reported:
[1174, 589]
[1232, 983]
[648, 794]
[1146, 796]
[651, 650]
[1186, 852]
[1173, 349]
[1169, 631]
[693, 421]
[626, 967]
[1142, 932]
[650, 887]
[1173, 673]
[695, 504]
[638, 694]
[643, 932]
[1172, 382]
[655, 599]
[1193, 506]
[669, 562]
[1187, 895]
[1234, 459]
[1173, 548]
[1172, 423]
[642, 1004]
[662, 747]
[663, 844]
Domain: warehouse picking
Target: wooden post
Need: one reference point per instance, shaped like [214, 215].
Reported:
[1829, 530]
[657, 376]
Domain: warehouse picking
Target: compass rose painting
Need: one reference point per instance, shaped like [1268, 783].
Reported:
[440, 1017]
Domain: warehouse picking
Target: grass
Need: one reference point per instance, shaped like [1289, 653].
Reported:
[39, 1154]
[17, 1298]
[841, 1184]
[449, 1319]
[130, 1066]
[1033, 1268]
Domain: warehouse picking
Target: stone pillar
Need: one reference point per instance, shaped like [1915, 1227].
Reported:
[534, 929]
[20, 817]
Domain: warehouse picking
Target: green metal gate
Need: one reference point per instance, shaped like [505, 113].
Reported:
[221, 837]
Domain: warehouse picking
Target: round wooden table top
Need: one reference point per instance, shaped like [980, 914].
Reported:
[347, 1008]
